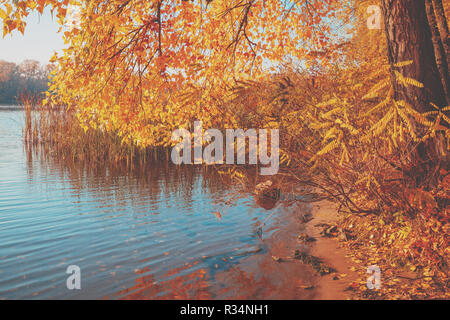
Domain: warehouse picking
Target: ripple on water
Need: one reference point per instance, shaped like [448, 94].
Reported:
[120, 227]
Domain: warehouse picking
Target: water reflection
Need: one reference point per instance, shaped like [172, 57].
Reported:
[151, 231]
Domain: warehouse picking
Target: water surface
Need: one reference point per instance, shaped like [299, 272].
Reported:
[158, 231]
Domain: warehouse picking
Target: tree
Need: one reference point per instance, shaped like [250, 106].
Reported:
[443, 26]
[145, 68]
[28, 77]
[409, 37]
[412, 35]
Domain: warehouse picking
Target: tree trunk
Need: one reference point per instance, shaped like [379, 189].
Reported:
[443, 27]
[409, 38]
[439, 51]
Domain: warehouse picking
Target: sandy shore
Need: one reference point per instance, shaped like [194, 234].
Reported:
[333, 285]
[274, 271]
[278, 274]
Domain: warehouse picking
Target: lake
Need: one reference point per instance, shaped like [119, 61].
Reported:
[155, 232]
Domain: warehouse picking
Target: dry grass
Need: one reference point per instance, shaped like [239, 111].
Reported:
[55, 130]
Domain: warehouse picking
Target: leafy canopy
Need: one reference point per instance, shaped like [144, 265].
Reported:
[143, 68]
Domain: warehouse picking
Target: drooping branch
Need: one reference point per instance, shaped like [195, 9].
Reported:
[158, 14]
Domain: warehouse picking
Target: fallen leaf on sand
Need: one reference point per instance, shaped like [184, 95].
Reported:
[277, 259]
[307, 287]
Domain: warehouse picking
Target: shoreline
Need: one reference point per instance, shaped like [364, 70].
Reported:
[331, 286]
[279, 274]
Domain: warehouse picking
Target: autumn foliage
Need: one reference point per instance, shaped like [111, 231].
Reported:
[137, 70]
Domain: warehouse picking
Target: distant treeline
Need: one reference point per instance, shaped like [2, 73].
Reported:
[27, 77]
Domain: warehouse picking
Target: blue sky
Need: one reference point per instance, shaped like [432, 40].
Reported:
[39, 43]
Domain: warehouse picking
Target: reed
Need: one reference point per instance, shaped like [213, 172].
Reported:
[28, 102]
[56, 131]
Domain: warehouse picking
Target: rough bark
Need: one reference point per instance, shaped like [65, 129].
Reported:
[409, 38]
[443, 27]
[439, 51]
